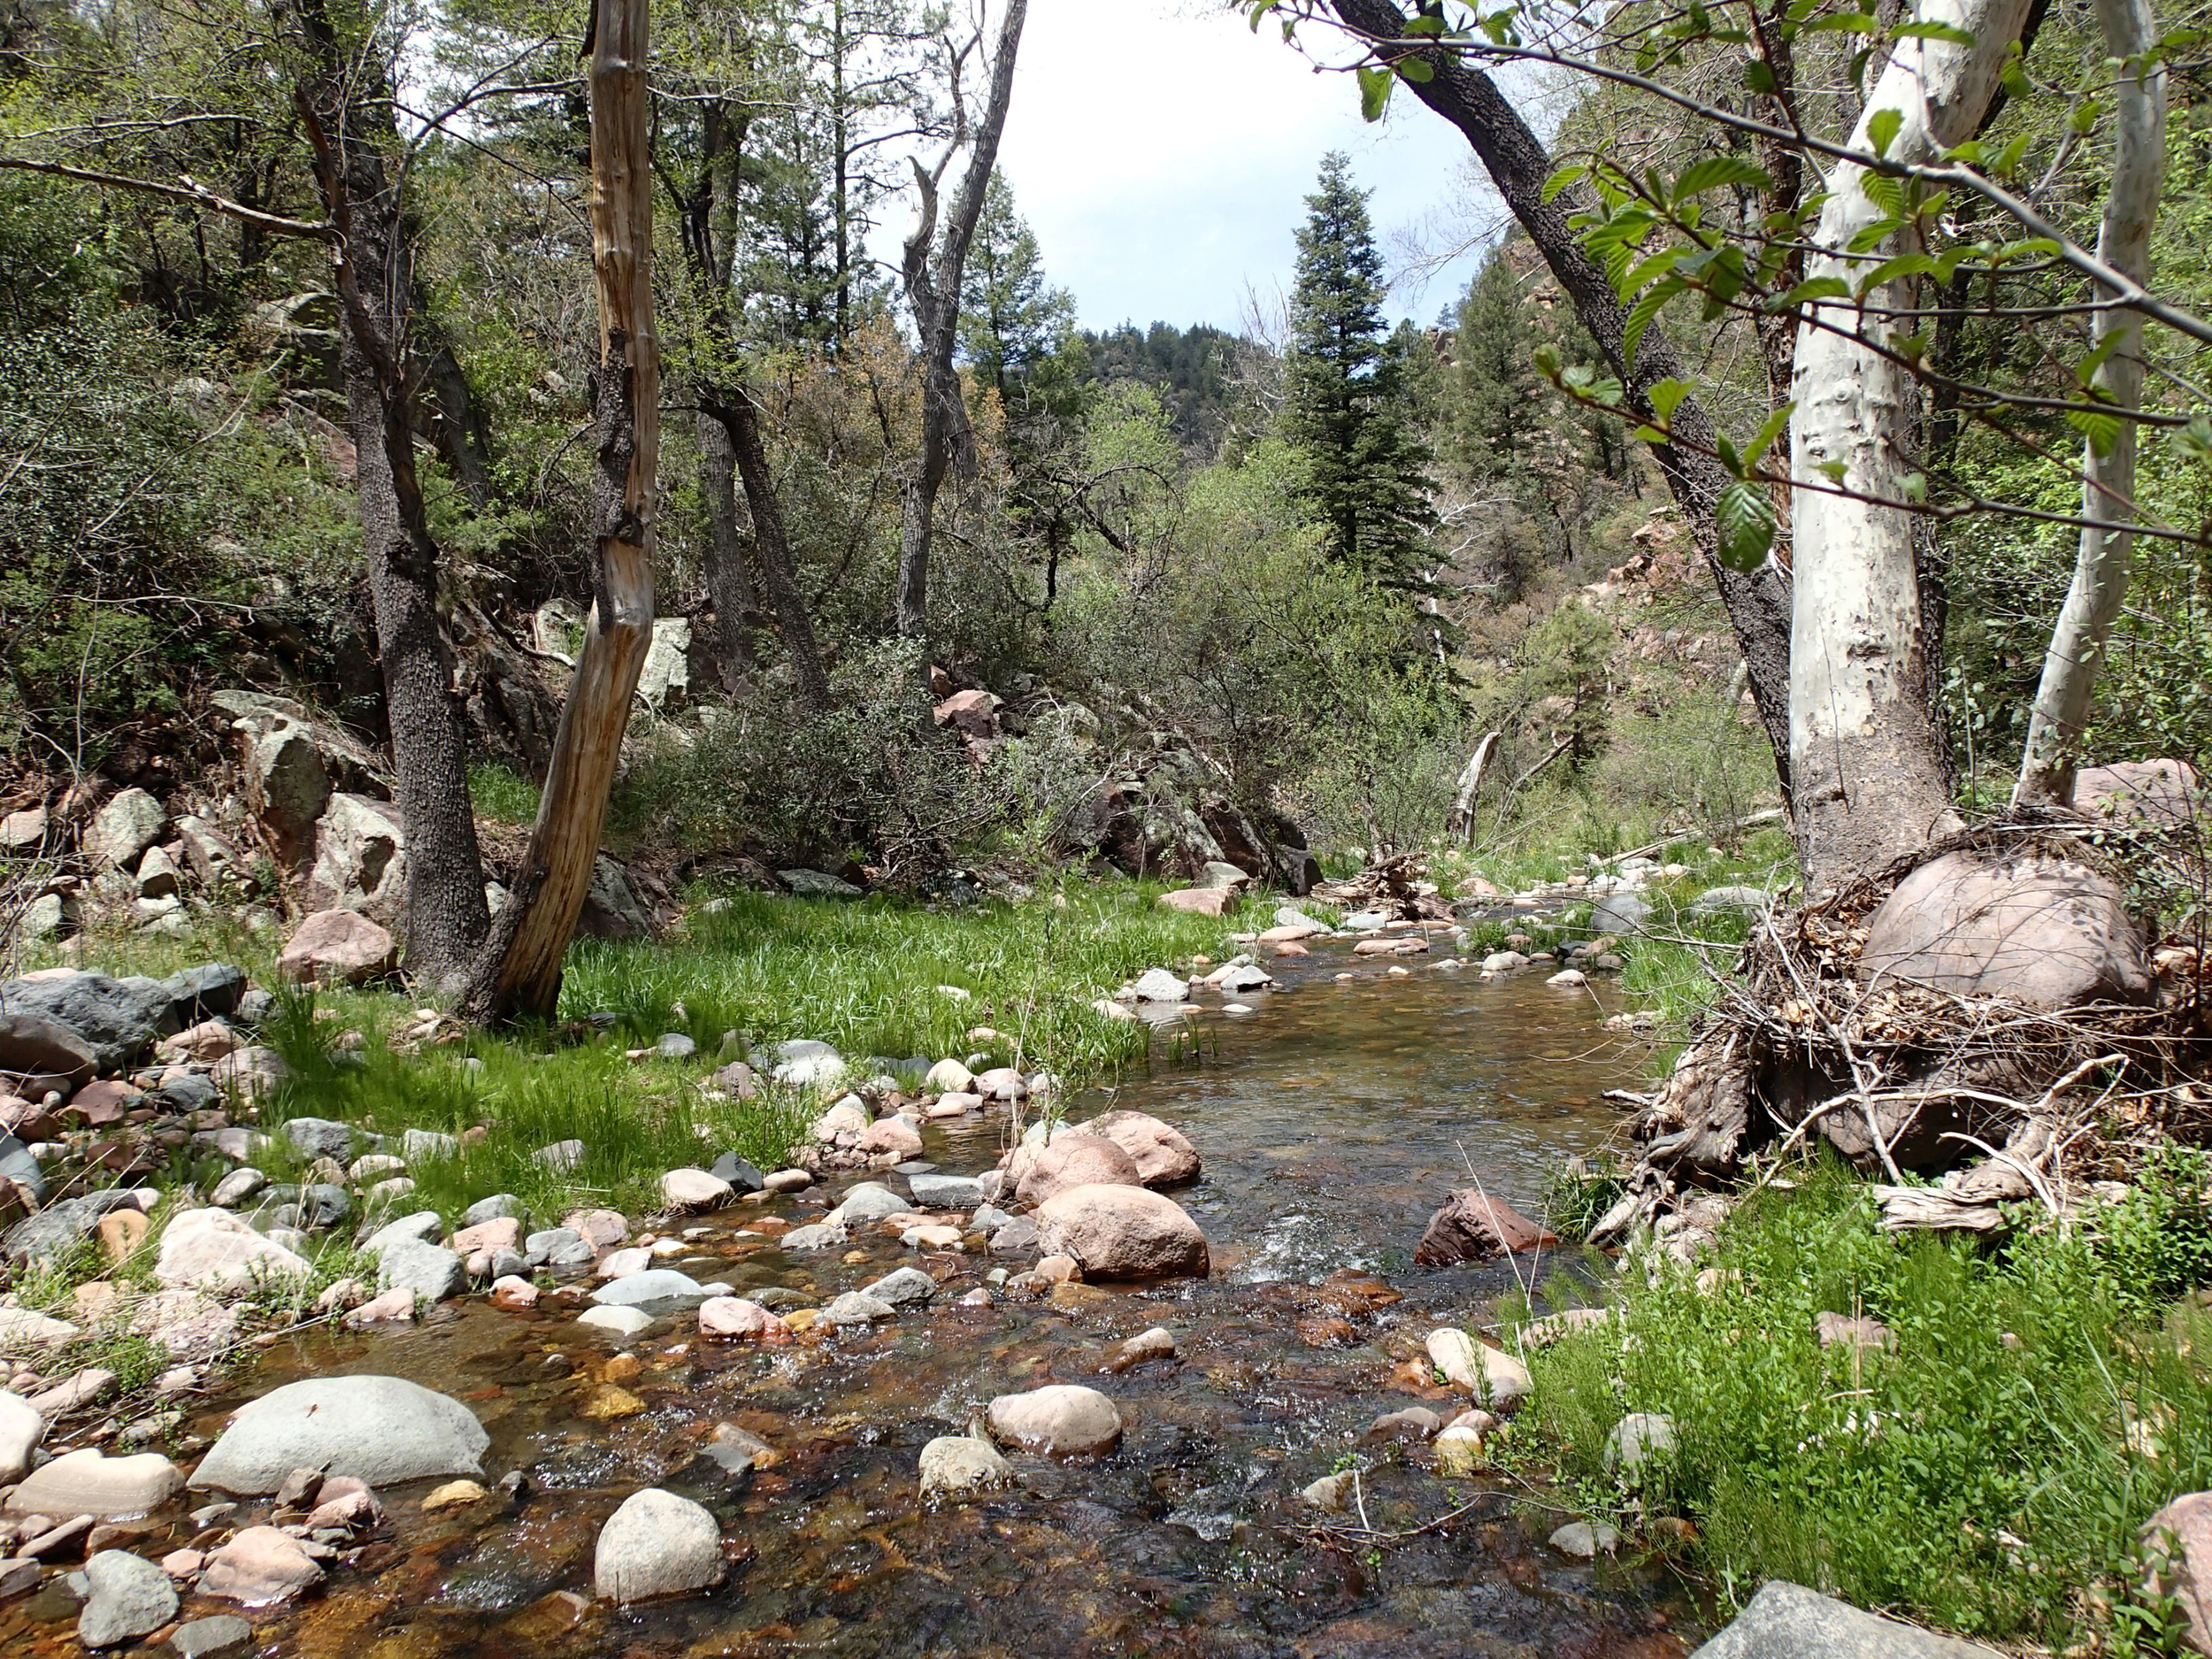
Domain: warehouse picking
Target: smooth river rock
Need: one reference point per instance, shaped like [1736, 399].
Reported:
[1075, 1159]
[21, 1428]
[1490, 1373]
[212, 1249]
[1059, 1420]
[83, 1482]
[127, 1596]
[261, 1567]
[380, 1429]
[657, 1544]
[1164, 1157]
[1119, 1233]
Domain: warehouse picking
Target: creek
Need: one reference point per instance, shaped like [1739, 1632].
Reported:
[1332, 1120]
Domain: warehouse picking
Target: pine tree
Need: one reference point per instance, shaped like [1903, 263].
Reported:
[1014, 327]
[1346, 402]
[1493, 381]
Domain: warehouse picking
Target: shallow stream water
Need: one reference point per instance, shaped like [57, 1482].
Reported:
[1333, 1120]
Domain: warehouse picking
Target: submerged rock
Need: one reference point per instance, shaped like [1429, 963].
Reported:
[957, 1464]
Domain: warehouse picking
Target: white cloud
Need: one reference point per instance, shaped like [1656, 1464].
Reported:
[1162, 153]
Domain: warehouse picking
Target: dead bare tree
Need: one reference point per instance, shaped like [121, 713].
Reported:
[935, 260]
[519, 971]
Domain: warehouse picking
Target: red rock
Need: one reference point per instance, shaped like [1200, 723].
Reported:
[1077, 1160]
[259, 1568]
[98, 1104]
[502, 1232]
[338, 948]
[1162, 1154]
[1214, 902]
[1471, 1227]
[1121, 1231]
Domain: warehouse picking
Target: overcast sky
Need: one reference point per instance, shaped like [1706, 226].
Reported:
[1162, 151]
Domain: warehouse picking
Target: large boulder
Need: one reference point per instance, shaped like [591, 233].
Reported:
[1164, 1157]
[1472, 1227]
[2156, 793]
[360, 859]
[122, 830]
[380, 1429]
[612, 908]
[1059, 1420]
[288, 779]
[1076, 1160]
[1122, 1233]
[2033, 928]
[21, 1429]
[1787, 1621]
[657, 1544]
[116, 1018]
[338, 946]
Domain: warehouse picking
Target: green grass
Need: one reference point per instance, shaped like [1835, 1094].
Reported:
[864, 976]
[1981, 1476]
[503, 795]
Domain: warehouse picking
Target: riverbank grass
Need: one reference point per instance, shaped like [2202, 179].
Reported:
[1985, 1465]
[877, 978]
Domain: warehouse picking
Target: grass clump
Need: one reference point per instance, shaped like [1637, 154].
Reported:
[1989, 1474]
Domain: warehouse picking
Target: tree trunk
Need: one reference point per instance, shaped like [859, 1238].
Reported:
[729, 585]
[933, 287]
[1758, 606]
[740, 417]
[2100, 568]
[446, 915]
[462, 436]
[1867, 756]
[520, 969]
[1461, 823]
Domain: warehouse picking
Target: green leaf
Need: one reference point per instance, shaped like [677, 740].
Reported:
[2099, 427]
[1725, 446]
[1665, 396]
[1647, 307]
[2007, 162]
[1374, 92]
[1905, 265]
[1947, 32]
[1713, 172]
[2085, 371]
[1416, 70]
[1431, 24]
[1757, 77]
[1845, 23]
[1744, 519]
[1653, 268]
[1875, 234]
[1834, 471]
[1819, 288]
[1546, 358]
[2084, 118]
[1914, 487]
[1770, 429]
[1882, 128]
[1562, 177]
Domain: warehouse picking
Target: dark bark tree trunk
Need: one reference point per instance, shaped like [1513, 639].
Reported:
[932, 274]
[739, 414]
[347, 116]
[1758, 604]
[519, 972]
[729, 585]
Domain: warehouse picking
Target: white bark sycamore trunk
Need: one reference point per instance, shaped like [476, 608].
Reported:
[2100, 568]
[1867, 766]
[520, 972]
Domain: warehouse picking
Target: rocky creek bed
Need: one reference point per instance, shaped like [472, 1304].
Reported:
[1332, 1120]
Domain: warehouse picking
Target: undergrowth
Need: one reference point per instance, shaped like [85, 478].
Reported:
[1989, 1474]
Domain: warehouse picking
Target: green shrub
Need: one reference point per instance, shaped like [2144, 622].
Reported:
[2041, 1401]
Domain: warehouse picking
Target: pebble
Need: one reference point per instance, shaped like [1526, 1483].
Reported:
[1158, 1343]
[856, 1307]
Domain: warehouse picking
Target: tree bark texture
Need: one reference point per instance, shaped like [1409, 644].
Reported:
[520, 971]
[2061, 713]
[1758, 604]
[933, 267]
[1867, 754]
[347, 112]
